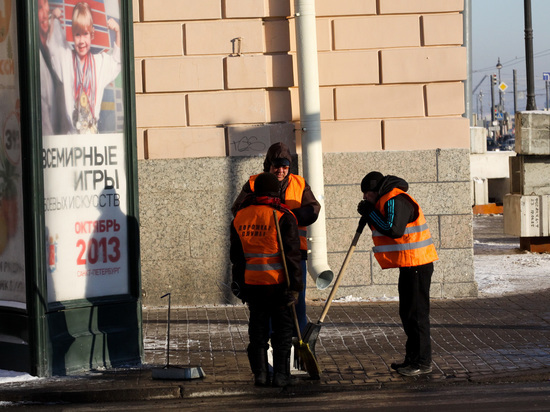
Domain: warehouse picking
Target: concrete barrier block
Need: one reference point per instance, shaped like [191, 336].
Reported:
[529, 175]
[478, 140]
[533, 133]
[480, 191]
[526, 216]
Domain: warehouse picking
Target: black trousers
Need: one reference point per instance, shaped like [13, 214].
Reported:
[268, 312]
[414, 311]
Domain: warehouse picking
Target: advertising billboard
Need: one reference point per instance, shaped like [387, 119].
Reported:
[12, 256]
[83, 149]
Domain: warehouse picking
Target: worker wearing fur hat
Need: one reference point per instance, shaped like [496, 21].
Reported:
[259, 277]
[402, 240]
[295, 192]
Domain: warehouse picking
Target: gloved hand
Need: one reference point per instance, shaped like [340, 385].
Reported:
[291, 297]
[364, 207]
[238, 291]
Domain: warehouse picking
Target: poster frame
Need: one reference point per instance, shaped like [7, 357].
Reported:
[44, 317]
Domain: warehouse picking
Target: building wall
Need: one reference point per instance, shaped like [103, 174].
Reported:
[216, 84]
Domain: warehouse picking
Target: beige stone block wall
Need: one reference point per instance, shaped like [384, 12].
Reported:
[441, 29]
[348, 67]
[225, 37]
[368, 102]
[423, 64]
[217, 83]
[377, 32]
[419, 134]
[138, 72]
[161, 110]
[150, 40]
[378, 60]
[175, 143]
[420, 6]
[345, 7]
[161, 10]
[444, 99]
[179, 74]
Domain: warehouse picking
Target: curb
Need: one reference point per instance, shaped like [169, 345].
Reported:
[88, 391]
[91, 395]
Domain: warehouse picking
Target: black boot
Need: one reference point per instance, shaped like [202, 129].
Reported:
[281, 368]
[260, 368]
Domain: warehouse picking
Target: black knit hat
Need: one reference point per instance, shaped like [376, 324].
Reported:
[266, 184]
[371, 182]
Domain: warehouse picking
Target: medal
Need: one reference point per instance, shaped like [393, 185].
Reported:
[84, 120]
[83, 100]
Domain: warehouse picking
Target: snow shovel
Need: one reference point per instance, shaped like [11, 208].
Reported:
[304, 352]
[312, 329]
[174, 372]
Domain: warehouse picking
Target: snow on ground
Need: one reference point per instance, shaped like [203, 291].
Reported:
[11, 376]
[498, 275]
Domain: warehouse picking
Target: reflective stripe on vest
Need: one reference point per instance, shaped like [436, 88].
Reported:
[402, 246]
[408, 230]
[256, 229]
[293, 199]
[414, 248]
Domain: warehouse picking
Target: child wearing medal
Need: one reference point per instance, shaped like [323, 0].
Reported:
[84, 75]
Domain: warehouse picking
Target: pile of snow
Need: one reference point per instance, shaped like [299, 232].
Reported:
[11, 376]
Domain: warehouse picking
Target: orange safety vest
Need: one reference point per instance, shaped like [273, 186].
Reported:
[414, 248]
[258, 234]
[293, 199]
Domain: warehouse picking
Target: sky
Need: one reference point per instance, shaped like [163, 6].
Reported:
[498, 30]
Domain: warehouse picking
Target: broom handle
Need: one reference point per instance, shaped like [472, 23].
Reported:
[280, 239]
[360, 227]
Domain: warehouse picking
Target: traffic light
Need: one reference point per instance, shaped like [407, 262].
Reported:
[494, 79]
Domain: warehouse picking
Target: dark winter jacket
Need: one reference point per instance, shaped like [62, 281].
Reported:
[307, 213]
[399, 209]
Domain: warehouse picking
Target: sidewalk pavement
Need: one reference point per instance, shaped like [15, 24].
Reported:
[499, 339]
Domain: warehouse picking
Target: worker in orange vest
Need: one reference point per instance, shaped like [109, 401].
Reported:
[296, 193]
[259, 277]
[402, 240]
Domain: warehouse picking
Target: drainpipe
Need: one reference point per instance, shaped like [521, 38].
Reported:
[310, 123]
[467, 22]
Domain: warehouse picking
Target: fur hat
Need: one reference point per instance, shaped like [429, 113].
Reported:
[266, 184]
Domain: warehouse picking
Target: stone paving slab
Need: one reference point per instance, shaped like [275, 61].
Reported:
[472, 338]
[478, 340]
[504, 339]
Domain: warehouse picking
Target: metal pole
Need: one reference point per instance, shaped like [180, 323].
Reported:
[492, 103]
[481, 106]
[531, 101]
[499, 66]
[515, 91]
[547, 95]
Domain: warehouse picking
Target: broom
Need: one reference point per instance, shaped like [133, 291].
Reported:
[304, 352]
[312, 329]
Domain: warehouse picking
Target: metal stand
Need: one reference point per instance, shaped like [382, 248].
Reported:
[175, 372]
